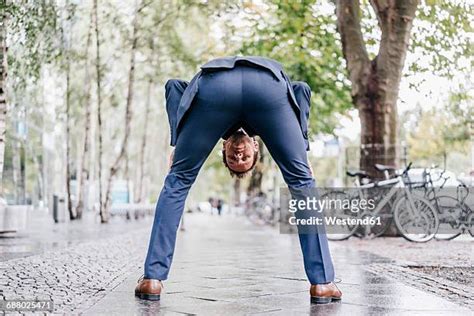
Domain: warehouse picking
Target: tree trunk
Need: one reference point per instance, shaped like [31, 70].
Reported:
[375, 83]
[66, 51]
[255, 182]
[68, 141]
[141, 167]
[18, 171]
[127, 173]
[83, 171]
[3, 78]
[39, 173]
[128, 117]
[102, 212]
[236, 187]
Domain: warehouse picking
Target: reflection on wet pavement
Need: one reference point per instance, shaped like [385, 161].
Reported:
[228, 266]
[43, 234]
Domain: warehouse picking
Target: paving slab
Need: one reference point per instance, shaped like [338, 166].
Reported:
[225, 265]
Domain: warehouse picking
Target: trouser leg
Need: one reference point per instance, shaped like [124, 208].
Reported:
[270, 114]
[202, 128]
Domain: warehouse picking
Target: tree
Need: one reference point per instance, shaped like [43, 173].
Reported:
[154, 71]
[375, 82]
[83, 170]
[296, 34]
[3, 77]
[141, 169]
[355, 58]
[66, 32]
[439, 137]
[304, 40]
[102, 211]
[47, 87]
[26, 21]
[255, 182]
[444, 136]
[128, 115]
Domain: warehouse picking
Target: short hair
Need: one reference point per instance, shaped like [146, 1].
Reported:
[240, 175]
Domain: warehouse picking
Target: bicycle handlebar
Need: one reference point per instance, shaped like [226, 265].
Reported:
[462, 185]
[407, 168]
[428, 174]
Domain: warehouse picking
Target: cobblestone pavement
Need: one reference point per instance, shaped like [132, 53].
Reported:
[73, 264]
[71, 278]
[222, 265]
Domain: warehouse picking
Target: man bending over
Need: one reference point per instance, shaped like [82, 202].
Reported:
[235, 98]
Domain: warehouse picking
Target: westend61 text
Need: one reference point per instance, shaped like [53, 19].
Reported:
[335, 221]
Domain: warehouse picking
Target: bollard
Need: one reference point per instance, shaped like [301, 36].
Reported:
[59, 207]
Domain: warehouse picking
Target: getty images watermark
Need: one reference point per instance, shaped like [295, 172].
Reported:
[324, 210]
[371, 211]
[317, 205]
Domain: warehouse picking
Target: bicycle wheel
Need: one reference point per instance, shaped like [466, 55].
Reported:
[385, 221]
[339, 232]
[449, 213]
[374, 231]
[470, 224]
[419, 224]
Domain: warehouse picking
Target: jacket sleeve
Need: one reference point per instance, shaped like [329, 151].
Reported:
[174, 89]
[302, 93]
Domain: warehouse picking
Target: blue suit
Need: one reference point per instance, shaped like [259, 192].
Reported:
[178, 104]
[250, 92]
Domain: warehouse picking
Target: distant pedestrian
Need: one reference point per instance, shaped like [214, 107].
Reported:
[220, 203]
[213, 203]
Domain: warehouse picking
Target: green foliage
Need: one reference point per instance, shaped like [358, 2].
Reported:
[432, 142]
[34, 37]
[436, 132]
[176, 36]
[460, 112]
[441, 35]
[305, 41]
[303, 37]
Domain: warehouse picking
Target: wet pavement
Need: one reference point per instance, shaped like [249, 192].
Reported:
[72, 264]
[226, 265]
[42, 234]
[221, 265]
[445, 268]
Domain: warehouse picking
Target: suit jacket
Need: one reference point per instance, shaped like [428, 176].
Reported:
[180, 93]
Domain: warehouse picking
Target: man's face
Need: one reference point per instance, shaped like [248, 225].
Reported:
[240, 151]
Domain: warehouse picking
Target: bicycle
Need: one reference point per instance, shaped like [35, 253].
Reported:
[455, 215]
[414, 216]
[385, 214]
[260, 211]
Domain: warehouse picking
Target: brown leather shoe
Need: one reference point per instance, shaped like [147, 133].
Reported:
[325, 293]
[148, 289]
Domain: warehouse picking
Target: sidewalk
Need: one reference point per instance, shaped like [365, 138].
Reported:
[73, 264]
[42, 234]
[226, 265]
[221, 265]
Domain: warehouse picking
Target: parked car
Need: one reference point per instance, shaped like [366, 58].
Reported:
[467, 179]
[416, 175]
